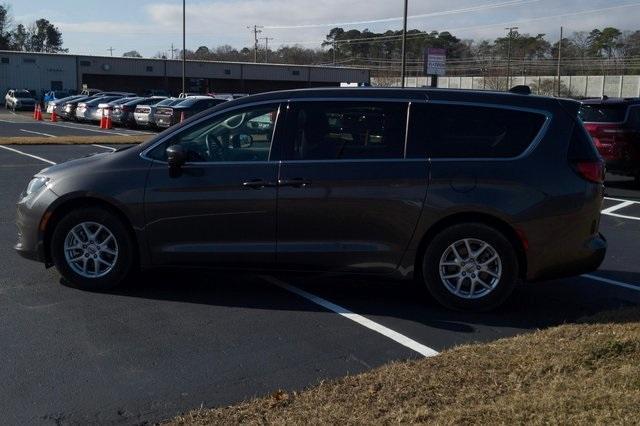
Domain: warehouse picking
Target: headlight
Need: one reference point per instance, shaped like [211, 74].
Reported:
[36, 185]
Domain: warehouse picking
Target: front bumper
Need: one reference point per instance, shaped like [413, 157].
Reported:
[29, 220]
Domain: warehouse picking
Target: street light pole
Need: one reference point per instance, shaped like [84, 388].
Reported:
[184, 46]
[510, 29]
[404, 44]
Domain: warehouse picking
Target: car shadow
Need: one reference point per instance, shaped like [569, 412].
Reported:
[532, 306]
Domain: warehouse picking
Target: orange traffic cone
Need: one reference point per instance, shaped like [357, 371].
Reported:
[35, 111]
[107, 120]
[54, 116]
[182, 116]
[39, 114]
[102, 121]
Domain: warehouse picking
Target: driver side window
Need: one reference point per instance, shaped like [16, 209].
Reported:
[240, 135]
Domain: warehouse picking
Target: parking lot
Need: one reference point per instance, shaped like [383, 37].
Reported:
[21, 124]
[174, 340]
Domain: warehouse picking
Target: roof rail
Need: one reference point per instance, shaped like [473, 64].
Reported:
[521, 90]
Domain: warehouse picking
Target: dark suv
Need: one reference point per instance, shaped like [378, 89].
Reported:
[614, 124]
[468, 192]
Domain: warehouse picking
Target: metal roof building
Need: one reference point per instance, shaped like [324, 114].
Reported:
[40, 72]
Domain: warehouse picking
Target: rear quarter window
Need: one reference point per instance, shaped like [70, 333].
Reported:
[463, 131]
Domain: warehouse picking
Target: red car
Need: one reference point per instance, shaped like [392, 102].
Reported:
[614, 125]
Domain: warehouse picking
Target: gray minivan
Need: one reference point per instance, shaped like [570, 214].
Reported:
[468, 192]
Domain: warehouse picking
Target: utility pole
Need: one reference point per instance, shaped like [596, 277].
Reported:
[510, 29]
[266, 48]
[559, 60]
[256, 30]
[173, 50]
[110, 49]
[184, 46]
[404, 44]
[335, 46]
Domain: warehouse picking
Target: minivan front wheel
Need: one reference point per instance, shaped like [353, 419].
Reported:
[92, 249]
[470, 266]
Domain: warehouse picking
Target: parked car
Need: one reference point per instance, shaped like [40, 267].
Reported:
[189, 94]
[90, 110]
[123, 113]
[614, 125]
[19, 99]
[55, 104]
[68, 108]
[111, 106]
[168, 116]
[145, 114]
[54, 95]
[443, 186]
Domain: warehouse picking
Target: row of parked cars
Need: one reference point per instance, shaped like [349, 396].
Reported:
[126, 109]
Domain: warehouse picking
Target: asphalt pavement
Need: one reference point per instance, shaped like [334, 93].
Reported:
[22, 124]
[173, 340]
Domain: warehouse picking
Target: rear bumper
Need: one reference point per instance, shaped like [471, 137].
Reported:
[587, 258]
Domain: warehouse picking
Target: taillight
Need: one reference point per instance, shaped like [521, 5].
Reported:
[607, 134]
[593, 171]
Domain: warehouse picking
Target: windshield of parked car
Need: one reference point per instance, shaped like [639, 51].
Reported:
[189, 102]
[22, 94]
[601, 113]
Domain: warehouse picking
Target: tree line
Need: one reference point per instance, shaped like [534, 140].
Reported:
[39, 36]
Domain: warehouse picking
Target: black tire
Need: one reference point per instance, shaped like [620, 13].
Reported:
[125, 260]
[441, 242]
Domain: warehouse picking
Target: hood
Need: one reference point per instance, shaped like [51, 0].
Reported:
[67, 167]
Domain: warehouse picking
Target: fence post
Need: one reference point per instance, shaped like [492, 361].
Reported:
[621, 86]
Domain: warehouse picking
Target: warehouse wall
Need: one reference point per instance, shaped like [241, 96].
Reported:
[41, 72]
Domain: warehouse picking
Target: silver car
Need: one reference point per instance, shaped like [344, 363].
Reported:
[88, 111]
[97, 115]
[145, 114]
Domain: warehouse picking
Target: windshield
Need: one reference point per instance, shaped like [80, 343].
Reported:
[188, 102]
[23, 94]
[603, 113]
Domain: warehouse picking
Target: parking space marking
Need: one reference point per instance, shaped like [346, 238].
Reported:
[623, 204]
[365, 322]
[26, 154]
[102, 146]
[613, 282]
[85, 129]
[38, 133]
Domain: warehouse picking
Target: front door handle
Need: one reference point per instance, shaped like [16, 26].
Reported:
[256, 184]
[295, 182]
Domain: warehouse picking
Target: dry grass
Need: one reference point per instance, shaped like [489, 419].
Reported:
[586, 373]
[72, 140]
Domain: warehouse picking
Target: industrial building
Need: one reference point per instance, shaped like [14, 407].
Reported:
[41, 72]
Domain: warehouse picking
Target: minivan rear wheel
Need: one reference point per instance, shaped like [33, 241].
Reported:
[470, 266]
[92, 249]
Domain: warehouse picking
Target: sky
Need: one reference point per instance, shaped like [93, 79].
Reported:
[151, 26]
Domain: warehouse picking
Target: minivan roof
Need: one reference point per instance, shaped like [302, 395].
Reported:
[412, 94]
[611, 101]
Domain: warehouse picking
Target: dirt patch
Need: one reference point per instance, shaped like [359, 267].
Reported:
[585, 373]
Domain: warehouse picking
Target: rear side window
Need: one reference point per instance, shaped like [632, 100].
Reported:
[602, 113]
[461, 131]
[634, 118]
[346, 130]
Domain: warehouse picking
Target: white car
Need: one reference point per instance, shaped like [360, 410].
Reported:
[19, 99]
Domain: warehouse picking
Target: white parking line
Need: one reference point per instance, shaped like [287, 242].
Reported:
[622, 204]
[38, 133]
[85, 129]
[102, 146]
[26, 154]
[365, 322]
[613, 282]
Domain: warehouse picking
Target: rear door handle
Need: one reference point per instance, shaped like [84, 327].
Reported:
[257, 184]
[295, 182]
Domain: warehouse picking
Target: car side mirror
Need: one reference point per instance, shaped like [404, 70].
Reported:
[176, 156]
